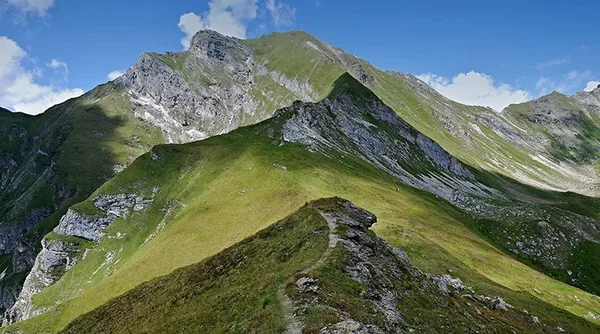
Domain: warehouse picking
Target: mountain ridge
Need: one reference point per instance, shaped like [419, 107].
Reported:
[304, 300]
[289, 167]
[225, 83]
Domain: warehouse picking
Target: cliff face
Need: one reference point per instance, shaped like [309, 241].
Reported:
[63, 248]
[210, 89]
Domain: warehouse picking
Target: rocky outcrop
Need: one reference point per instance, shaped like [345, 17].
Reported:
[354, 121]
[197, 94]
[90, 227]
[56, 257]
[61, 250]
[378, 270]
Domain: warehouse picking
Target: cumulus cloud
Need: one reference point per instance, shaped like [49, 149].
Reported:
[550, 63]
[46, 101]
[567, 84]
[37, 7]
[591, 85]
[282, 14]
[114, 74]
[229, 17]
[18, 89]
[475, 88]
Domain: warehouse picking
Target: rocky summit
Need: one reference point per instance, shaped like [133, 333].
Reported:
[168, 200]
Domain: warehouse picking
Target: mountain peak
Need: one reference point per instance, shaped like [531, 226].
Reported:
[207, 34]
[349, 86]
[211, 44]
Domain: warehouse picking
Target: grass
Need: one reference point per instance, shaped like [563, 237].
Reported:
[235, 291]
[83, 140]
[227, 188]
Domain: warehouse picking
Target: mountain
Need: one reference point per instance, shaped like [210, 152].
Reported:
[48, 162]
[566, 127]
[240, 82]
[389, 126]
[181, 204]
[318, 270]
[223, 83]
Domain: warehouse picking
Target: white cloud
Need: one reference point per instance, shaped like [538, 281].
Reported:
[114, 74]
[569, 83]
[591, 86]
[476, 89]
[229, 17]
[553, 62]
[18, 89]
[282, 14]
[48, 100]
[58, 66]
[38, 7]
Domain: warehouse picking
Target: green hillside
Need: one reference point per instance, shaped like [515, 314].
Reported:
[52, 161]
[209, 195]
[291, 276]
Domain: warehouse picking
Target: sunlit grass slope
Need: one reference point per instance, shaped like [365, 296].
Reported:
[214, 193]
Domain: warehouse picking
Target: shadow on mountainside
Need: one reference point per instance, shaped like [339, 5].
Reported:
[51, 161]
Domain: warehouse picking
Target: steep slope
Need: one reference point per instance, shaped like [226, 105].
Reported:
[180, 204]
[479, 136]
[52, 161]
[48, 162]
[320, 270]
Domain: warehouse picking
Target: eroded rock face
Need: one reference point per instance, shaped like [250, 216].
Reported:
[371, 130]
[202, 93]
[61, 252]
[91, 227]
[56, 257]
[79, 225]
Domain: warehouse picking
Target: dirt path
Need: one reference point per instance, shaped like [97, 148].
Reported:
[294, 326]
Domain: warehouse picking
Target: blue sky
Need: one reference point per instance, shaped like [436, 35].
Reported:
[490, 54]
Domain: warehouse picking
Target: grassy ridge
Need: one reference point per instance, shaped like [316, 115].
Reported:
[242, 289]
[235, 291]
[218, 184]
[208, 191]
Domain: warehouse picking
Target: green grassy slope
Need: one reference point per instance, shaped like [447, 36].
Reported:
[241, 289]
[197, 184]
[469, 133]
[214, 193]
[233, 291]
